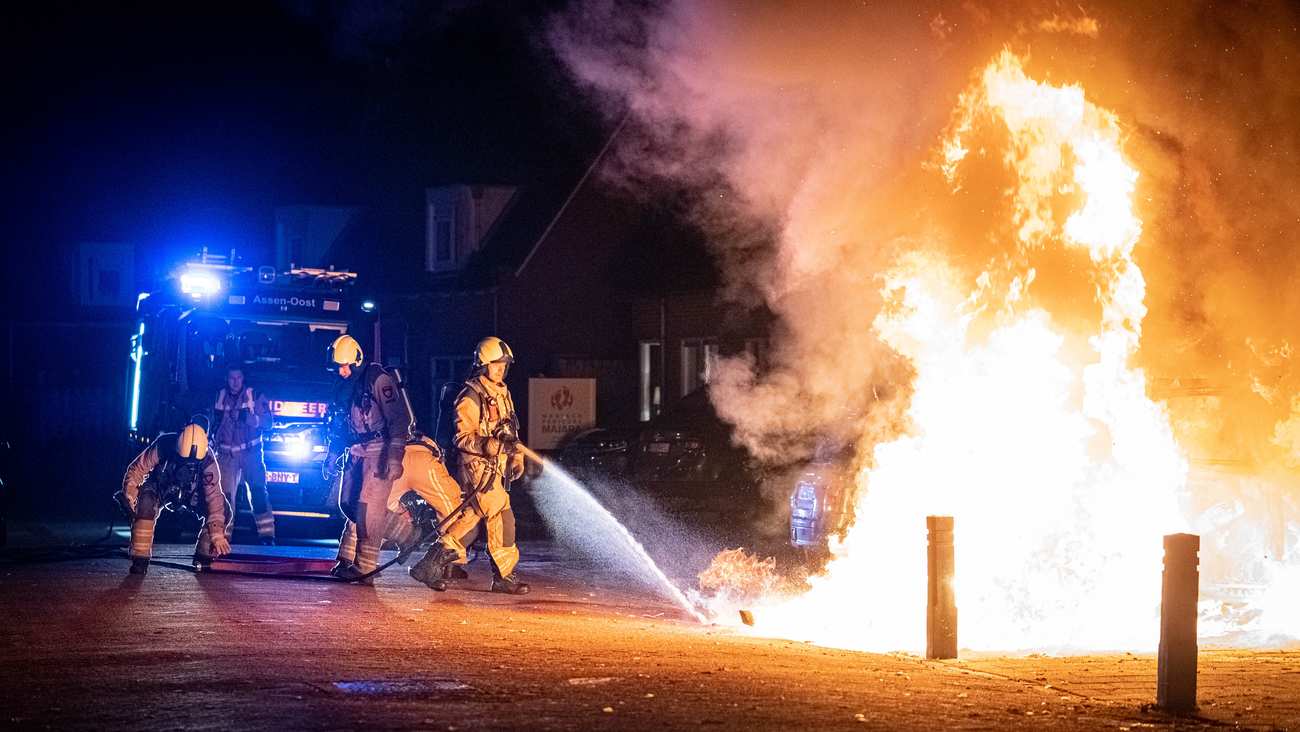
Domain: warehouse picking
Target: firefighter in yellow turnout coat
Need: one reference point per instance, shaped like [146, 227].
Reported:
[176, 470]
[486, 438]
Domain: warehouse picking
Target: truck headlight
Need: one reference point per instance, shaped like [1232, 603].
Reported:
[296, 448]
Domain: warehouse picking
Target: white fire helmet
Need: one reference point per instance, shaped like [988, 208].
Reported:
[192, 442]
[345, 351]
[492, 350]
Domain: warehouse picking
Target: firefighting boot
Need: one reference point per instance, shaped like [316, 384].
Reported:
[139, 565]
[202, 563]
[449, 573]
[339, 568]
[266, 540]
[350, 573]
[509, 585]
[429, 569]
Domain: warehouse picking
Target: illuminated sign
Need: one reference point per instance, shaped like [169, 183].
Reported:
[281, 408]
[298, 302]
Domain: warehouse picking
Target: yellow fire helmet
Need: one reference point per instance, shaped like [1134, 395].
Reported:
[192, 442]
[345, 351]
[491, 350]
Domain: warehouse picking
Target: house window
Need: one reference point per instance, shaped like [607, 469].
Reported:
[652, 379]
[699, 359]
[440, 231]
[443, 252]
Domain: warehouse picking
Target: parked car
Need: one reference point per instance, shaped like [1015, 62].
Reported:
[606, 450]
[689, 442]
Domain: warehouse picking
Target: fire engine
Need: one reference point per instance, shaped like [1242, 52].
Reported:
[277, 325]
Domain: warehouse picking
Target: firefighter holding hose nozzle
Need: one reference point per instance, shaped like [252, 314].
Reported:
[487, 437]
[177, 471]
[377, 420]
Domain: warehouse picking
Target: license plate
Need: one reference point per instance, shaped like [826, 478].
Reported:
[281, 476]
[659, 447]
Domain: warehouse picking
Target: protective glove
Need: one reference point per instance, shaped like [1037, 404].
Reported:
[516, 470]
[126, 504]
[509, 438]
[220, 545]
[329, 469]
[395, 469]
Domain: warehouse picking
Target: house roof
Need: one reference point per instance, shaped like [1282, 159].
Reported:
[518, 232]
[660, 250]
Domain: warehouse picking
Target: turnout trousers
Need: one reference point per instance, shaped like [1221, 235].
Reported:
[148, 507]
[245, 468]
[492, 509]
[363, 498]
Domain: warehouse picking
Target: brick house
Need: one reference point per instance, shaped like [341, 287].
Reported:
[583, 282]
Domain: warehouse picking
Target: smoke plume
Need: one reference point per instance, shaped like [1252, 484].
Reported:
[806, 134]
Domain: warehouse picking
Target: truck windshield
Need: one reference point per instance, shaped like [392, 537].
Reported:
[268, 352]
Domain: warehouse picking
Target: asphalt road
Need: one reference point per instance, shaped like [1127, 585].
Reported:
[84, 646]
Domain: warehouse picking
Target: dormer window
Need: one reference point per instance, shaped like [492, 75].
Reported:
[458, 219]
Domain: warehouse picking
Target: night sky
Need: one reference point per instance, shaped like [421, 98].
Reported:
[176, 125]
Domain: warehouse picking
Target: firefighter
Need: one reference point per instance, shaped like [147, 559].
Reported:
[239, 417]
[176, 471]
[487, 436]
[425, 476]
[376, 425]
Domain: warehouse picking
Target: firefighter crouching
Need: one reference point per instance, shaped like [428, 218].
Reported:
[176, 471]
[378, 423]
[420, 499]
[239, 418]
[487, 439]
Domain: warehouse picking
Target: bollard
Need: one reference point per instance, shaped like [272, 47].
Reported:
[1179, 592]
[941, 608]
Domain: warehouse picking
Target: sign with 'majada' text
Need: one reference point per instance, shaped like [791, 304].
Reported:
[558, 408]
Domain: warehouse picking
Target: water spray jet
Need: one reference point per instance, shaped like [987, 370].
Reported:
[598, 514]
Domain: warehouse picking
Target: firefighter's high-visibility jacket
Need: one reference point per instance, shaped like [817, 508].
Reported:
[239, 419]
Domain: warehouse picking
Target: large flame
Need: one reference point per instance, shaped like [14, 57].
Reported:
[1061, 473]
